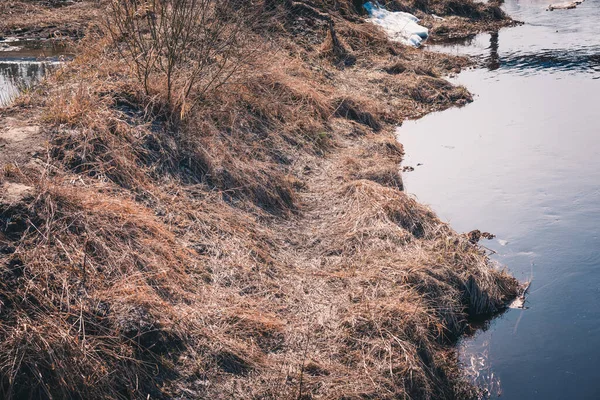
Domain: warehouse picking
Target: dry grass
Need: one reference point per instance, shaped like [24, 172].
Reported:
[56, 19]
[260, 247]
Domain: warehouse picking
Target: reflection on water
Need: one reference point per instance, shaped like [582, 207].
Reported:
[23, 63]
[527, 48]
[17, 76]
[494, 59]
[479, 369]
[581, 58]
[523, 162]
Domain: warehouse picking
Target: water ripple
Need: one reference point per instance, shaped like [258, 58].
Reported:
[551, 60]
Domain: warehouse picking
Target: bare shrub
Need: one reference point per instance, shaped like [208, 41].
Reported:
[192, 46]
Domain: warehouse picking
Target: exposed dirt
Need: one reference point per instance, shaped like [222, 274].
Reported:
[15, 193]
[20, 137]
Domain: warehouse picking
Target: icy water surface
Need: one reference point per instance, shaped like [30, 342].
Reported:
[523, 162]
[24, 62]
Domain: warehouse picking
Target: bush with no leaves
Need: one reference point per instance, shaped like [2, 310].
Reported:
[192, 46]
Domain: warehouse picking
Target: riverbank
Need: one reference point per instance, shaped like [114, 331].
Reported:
[251, 241]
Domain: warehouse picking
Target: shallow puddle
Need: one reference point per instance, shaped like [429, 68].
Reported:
[523, 162]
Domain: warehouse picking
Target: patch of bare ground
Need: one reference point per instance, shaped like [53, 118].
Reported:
[20, 136]
[251, 241]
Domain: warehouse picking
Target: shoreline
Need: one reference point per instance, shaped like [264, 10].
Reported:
[261, 247]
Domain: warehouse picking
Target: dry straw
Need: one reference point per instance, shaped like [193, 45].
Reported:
[258, 245]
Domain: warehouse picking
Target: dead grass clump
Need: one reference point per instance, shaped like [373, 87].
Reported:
[450, 270]
[386, 175]
[438, 92]
[336, 50]
[84, 309]
[473, 10]
[391, 338]
[367, 39]
[265, 330]
[371, 217]
[391, 206]
[444, 268]
[378, 161]
[88, 138]
[271, 192]
[399, 67]
[280, 98]
[350, 109]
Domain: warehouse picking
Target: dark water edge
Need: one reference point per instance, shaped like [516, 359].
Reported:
[523, 162]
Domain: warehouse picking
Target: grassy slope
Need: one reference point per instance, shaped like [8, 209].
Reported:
[261, 248]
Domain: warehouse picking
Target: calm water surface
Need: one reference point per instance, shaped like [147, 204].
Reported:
[523, 162]
[24, 62]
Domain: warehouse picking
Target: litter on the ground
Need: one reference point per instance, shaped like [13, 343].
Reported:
[400, 26]
[564, 6]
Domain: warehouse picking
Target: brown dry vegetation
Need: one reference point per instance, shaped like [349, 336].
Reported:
[47, 18]
[256, 245]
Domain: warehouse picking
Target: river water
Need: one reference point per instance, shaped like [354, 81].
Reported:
[523, 162]
[24, 62]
